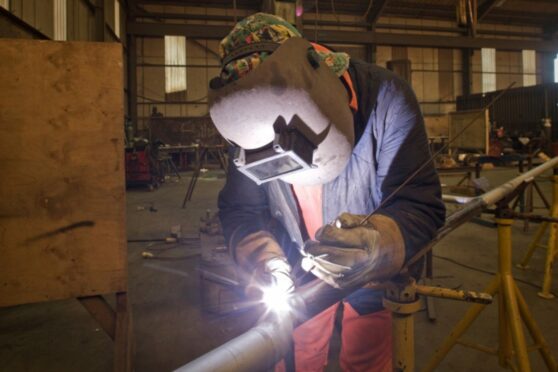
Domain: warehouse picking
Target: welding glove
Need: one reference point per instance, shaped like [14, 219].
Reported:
[262, 259]
[347, 252]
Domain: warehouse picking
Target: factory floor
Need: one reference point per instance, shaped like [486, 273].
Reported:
[171, 326]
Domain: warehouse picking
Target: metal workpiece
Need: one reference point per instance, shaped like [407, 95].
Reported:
[500, 192]
[456, 199]
[476, 205]
[256, 350]
[261, 347]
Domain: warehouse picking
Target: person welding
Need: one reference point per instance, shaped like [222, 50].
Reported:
[319, 140]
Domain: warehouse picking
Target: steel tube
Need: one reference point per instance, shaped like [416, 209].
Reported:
[456, 199]
[256, 350]
[498, 193]
[262, 346]
[477, 204]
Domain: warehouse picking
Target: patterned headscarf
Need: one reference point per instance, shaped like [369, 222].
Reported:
[262, 27]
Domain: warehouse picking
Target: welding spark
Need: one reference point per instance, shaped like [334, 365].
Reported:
[276, 299]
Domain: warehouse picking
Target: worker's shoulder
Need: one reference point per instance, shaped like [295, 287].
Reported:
[371, 73]
[379, 85]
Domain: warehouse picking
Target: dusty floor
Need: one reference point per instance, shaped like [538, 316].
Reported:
[171, 328]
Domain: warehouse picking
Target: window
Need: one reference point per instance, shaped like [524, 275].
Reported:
[488, 62]
[60, 20]
[5, 4]
[529, 67]
[556, 69]
[175, 55]
[117, 18]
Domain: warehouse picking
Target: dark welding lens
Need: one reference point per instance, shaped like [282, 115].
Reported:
[291, 151]
[274, 168]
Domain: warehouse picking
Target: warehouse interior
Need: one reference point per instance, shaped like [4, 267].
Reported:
[113, 254]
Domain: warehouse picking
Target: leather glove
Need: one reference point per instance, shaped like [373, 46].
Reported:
[346, 253]
[264, 263]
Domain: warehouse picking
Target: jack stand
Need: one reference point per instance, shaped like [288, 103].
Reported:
[512, 309]
[525, 199]
[551, 246]
[401, 299]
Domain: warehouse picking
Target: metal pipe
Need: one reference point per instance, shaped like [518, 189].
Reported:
[476, 205]
[456, 199]
[496, 194]
[262, 346]
[256, 350]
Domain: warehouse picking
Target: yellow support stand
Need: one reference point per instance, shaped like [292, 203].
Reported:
[401, 299]
[551, 246]
[512, 310]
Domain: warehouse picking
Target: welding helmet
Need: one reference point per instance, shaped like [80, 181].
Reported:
[288, 118]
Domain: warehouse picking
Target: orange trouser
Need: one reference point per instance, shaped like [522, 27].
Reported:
[365, 341]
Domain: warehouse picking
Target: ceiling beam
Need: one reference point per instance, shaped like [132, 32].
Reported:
[375, 11]
[241, 4]
[431, 41]
[352, 37]
[486, 7]
[389, 26]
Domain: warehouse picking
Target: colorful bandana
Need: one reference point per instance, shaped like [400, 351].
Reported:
[271, 28]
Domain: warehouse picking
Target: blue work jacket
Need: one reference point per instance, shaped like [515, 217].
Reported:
[391, 144]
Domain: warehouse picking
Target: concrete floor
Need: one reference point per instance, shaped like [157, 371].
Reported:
[171, 328]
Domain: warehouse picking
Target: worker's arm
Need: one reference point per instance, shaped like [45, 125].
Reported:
[243, 207]
[377, 249]
[417, 207]
[244, 214]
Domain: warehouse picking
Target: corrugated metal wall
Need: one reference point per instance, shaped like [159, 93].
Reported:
[520, 110]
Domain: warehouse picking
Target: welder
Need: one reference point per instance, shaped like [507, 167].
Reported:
[319, 140]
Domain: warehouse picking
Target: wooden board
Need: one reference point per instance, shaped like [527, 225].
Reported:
[475, 137]
[62, 205]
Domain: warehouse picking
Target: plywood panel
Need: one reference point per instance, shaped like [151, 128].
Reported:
[62, 211]
[469, 130]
